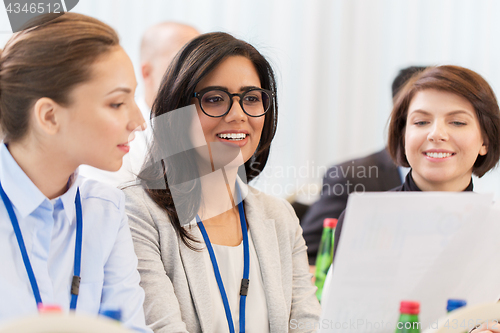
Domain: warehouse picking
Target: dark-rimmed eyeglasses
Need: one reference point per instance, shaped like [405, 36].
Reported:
[217, 102]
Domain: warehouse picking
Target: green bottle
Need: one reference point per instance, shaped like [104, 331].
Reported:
[408, 319]
[325, 254]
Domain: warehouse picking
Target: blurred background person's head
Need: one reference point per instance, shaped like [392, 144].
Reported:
[160, 43]
[403, 76]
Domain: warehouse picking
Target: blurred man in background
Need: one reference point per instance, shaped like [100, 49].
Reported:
[160, 43]
[373, 173]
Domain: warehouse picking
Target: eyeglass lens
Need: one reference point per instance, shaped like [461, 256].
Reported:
[218, 102]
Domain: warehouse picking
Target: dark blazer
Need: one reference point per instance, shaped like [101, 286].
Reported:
[373, 173]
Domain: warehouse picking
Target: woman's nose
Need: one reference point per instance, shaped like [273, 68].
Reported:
[438, 132]
[136, 120]
[236, 113]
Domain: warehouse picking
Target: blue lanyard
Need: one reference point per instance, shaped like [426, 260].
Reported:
[78, 249]
[246, 268]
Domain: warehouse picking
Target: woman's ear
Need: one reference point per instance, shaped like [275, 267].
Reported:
[403, 159]
[484, 149]
[45, 117]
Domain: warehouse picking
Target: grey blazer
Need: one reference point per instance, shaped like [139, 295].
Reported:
[174, 277]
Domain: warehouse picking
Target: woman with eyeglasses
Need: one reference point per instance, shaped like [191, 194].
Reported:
[66, 99]
[216, 255]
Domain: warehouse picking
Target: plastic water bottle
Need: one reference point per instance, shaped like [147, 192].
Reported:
[49, 308]
[408, 318]
[115, 314]
[325, 254]
[454, 304]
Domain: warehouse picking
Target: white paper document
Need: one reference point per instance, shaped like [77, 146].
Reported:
[426, 247]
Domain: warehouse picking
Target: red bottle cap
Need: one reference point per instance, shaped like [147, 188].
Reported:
[409, 307]
[329, 223]
[42, 308]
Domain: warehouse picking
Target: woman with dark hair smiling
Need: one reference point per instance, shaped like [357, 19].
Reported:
[216, 255]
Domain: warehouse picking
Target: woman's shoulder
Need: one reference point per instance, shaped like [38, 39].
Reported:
[142, 209]
[270, 206]
[273, 219]
[135, 192]
[93, 190]
[137, 199]
[263, 197]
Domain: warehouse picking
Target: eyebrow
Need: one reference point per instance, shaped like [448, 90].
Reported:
[452, 113]
[243, 88]
[122, 89]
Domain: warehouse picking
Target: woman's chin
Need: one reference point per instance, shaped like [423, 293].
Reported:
[111, 166]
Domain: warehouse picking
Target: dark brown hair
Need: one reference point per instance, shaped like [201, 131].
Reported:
[47, 59]
[195, 61]
[462, 82]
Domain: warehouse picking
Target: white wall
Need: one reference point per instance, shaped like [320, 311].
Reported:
[334, 60]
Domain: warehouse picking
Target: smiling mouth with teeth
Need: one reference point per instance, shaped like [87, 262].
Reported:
[232, 136]
[439, 155]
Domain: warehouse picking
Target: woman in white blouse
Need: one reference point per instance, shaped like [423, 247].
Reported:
[216, 255]
[66, 99]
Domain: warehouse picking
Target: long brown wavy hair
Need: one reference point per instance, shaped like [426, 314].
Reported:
[196, 60]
